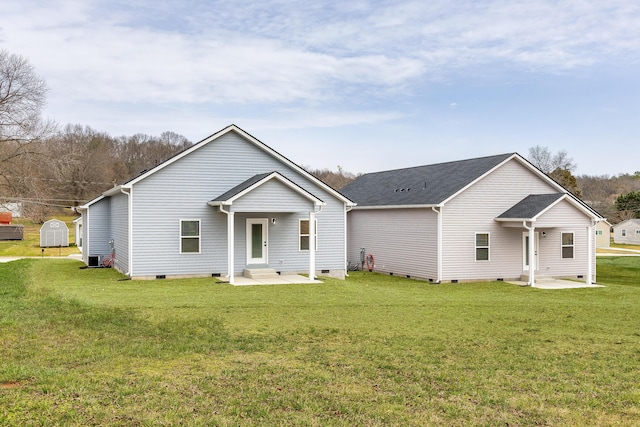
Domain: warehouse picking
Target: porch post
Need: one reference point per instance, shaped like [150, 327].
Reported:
[230, 246]
[590, 255]
[532, 256]
[312, 245]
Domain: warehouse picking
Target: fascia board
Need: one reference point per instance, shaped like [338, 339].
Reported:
[281, 179]
[255, 142]
[362, 208]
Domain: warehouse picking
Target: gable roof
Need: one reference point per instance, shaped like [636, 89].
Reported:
[531, 206]
[214, 137]
[632, 221]
[429, 185]
[256, 181]
[535, 205]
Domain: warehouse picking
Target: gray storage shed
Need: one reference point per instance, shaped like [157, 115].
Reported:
[54, 233]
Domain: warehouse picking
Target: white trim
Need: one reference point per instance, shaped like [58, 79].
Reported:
[314, 232]
[572, 245]
[199, 237]
[274, 175]
[312, 245]
[264, 241]
[526, 262]
[488, 247]
[257, 143]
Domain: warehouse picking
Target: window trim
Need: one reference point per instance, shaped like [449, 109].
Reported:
[572, 245]
[487, 247]
[623, 232]
[300, 235]
[199, 236]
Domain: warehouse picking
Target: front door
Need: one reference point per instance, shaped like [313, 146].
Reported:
[525, 251]
[257, 243]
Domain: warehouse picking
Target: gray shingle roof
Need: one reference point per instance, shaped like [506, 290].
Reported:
[241, 187]
[420, 185]
[531, 206]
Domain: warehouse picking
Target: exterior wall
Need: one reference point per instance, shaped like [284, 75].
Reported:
[603, 240]
[402, 241]
[182, 189]
[474, 211]
[273, 196]
[564, 218]
[632, 229]
[119, 227]
[96, 229]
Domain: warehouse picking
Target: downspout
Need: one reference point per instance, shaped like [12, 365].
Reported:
[439, 241]
[590, 270]
[532, 258]
[230, 239]
[346, 255]
[129, 229]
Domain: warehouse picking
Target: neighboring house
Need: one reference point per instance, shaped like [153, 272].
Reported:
[488, 218]
[603, 234]
[627, 232]
[225, 204]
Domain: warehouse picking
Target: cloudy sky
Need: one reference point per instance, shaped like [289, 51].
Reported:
[364, 85]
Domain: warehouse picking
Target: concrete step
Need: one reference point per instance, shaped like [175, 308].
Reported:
[260, 273]
[525, 277]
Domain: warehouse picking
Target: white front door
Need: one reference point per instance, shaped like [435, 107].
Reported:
[257, 242]
[525, 251]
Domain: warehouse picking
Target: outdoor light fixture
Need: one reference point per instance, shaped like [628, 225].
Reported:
[273, 221]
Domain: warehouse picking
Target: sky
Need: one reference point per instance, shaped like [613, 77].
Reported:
[358, 85]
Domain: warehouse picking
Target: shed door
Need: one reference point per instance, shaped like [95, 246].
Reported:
[257, 242]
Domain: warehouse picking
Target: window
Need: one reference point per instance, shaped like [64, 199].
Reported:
[482, 246]
[190, 236]
[567, 245]
[637, 231]
[598, 232]
[624, 233]
[304, 234]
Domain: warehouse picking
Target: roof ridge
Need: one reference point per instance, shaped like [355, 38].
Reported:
[505, 155]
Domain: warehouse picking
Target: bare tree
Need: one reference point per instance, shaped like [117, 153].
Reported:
[22, 97]
[547, 162]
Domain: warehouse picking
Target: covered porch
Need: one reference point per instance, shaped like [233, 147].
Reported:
[558, 237]
[271, 226]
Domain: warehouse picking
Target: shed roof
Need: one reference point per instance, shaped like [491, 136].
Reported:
[420, 185]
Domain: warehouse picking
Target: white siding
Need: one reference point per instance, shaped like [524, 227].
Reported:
[474, 211]
[632, 237]
[563, 218]
[273, 196]
[119, 227]
[97, 229]
[402, 241]
[181, 191]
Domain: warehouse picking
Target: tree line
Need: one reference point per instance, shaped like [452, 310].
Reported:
[47, 167]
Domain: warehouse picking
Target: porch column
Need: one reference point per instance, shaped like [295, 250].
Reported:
[312, 245]
[230, 246]
[590, 254]
[532, 256]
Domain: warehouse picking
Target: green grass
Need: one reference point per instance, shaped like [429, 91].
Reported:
[30, 245]
[84, 347]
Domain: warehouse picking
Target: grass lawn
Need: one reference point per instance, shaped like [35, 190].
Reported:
[83, 347]
[30, 245]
